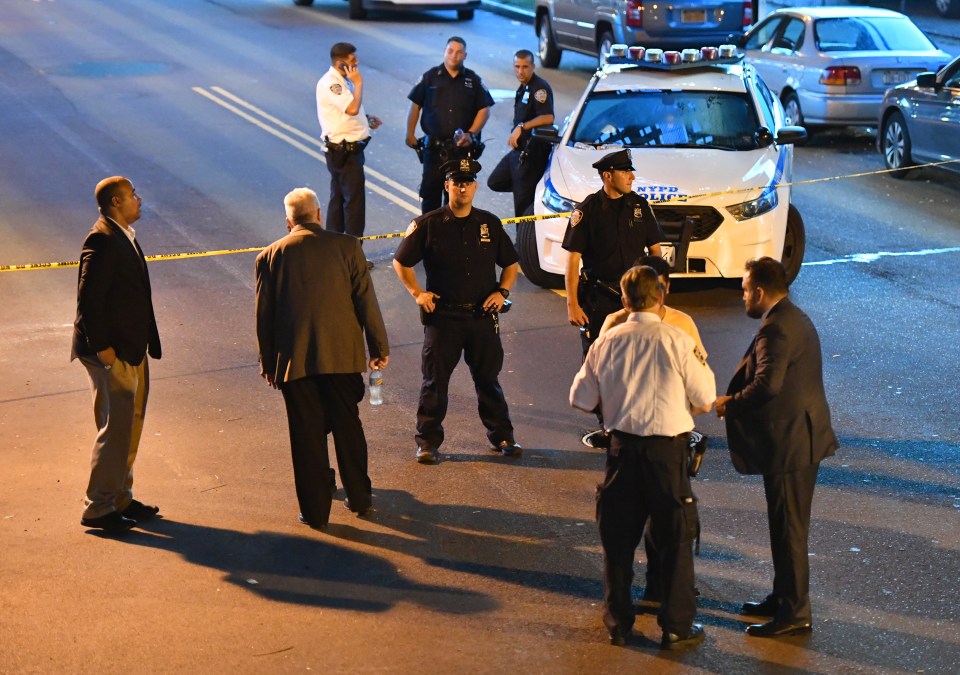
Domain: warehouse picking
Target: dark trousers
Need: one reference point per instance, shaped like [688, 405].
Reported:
[789, 502]
[315, 405]
[444, 340]
[647, 476]
[597, 305]
[347, 211]
[521, 178]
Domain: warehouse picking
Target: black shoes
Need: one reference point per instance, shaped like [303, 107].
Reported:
[768, 607]
[509, 448]
[673, 642]
[139, 512]
[598, 439]
[779, 628]
[311, 525]
[427, 455]
[112, 522]
[362, 513]
[621, 638]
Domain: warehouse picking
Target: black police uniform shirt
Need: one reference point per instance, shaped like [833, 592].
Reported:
[449, 103]
[532, 100]
[460, 255]
[611, 234]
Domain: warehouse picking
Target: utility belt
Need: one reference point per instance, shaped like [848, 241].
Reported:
[463, 311]
[448, 148]
[348, 146]
[605, 287]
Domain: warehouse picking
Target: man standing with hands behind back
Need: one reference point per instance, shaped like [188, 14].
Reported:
[778, 425]
[346, 130]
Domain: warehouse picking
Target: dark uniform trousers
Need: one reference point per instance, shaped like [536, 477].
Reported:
[347, 209]
[315, 405]
[521, 178]
[444, 340]
[647, 476]
[597, 304]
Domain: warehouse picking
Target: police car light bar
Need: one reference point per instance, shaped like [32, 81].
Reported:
[657, 59]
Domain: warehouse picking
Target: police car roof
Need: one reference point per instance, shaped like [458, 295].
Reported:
[709, 77]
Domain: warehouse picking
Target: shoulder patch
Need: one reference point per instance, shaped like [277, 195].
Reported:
[336, 88]
[700, 356]
[541, 95]
[576, 217]
[411, 228]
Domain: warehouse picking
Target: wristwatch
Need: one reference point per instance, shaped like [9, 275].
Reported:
[504, 292]
[520, 126]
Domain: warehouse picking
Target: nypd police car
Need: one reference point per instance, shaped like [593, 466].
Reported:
[712, 152]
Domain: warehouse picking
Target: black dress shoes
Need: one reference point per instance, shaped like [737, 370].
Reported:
[620, 637]
[112, 522]
[362, 513]
[779, 628]
[673, 642]
[311, 525]
[509, 448]
[139, 511]
[427, 455]
[768, 607]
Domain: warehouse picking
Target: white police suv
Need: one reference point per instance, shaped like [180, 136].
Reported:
[712, 153]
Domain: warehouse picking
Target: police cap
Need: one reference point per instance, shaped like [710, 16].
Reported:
[615, 161]
[461, 170]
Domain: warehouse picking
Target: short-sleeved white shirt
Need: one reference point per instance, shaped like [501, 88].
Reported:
[334, 94]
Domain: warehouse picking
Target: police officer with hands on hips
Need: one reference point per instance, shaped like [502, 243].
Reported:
[460, 247]
[647, 461]
[607, 231]
[452, 105]
[346, 131]
[521, 169]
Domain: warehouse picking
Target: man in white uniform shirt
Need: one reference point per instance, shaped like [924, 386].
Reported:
[647, 379]
[345, 128]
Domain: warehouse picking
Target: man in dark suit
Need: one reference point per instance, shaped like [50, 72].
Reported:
[114, 331]
[778, 425]
[315, 302]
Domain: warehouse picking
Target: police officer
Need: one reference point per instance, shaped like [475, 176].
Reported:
[521, 169]
[345, 128]
[647, 472]
[452, 99]
[460, 247]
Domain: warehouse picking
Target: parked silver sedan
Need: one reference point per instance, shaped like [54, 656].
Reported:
[920, 121]
[831, 65]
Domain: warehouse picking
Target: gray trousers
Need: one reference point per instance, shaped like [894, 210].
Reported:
[119, 404]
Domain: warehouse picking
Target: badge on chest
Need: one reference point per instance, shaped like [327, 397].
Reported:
[484, 233]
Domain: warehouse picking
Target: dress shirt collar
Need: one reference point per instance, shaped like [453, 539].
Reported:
[128, 230]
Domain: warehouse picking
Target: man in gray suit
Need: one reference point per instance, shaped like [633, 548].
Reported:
[778, 425]
[315, 302]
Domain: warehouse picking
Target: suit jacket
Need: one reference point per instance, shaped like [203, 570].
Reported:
[778, 420]
[315, 301]
[114, 304]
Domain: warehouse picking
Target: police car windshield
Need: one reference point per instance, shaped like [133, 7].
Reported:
[665, 118]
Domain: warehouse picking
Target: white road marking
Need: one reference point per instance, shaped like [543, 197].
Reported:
[873, 257]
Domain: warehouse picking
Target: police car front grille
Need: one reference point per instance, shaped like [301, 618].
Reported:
[706, 220]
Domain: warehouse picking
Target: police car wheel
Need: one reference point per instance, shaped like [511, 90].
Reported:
[465, 14]
[948, 8]
[357, 12]
[547, 46]
[529, 259]
[794, 244]
[603, 47]
[895, 144]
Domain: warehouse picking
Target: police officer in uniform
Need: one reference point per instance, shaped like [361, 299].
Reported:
[460, 247]
[451, 98]
[647, 472]
[521, 169]
[346, 129]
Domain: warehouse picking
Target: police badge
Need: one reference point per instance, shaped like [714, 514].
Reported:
[484, 233]
[541, 96]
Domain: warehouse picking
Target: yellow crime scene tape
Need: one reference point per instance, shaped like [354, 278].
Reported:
[517, 219]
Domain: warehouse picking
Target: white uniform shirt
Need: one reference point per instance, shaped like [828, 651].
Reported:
[645, 374]
[334, 94]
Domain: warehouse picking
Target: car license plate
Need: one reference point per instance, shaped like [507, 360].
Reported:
[668, 253]
[693, 16]
[891, 77]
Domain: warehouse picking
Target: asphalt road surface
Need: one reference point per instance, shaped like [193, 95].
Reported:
[480, 564]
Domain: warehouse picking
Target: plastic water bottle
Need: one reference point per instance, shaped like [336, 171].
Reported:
[376, 387]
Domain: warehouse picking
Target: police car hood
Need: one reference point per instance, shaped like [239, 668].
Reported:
[668, 173]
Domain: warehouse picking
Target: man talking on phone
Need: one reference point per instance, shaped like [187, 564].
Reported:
[345, 129]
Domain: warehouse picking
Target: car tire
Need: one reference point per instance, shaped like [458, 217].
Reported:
[357, 12]
[895, 145]
[603, 47]
[948, 8]
[791, 109]
[465, 14]
[303, 3]
[530, 260]
[794, 244]
[547, 46]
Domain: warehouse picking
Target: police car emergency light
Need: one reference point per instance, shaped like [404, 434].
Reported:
[712, 153]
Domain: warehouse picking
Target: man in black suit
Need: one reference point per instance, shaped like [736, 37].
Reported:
[778, 425]
[114, 331]
[315, 302]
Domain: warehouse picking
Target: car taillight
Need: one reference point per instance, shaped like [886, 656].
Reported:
[840, 76]
[747, 13]
[635, 13]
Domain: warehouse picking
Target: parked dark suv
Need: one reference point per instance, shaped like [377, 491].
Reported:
[591, 26]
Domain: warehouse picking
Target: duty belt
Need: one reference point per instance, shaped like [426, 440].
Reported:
[608, 287]
[348, 146]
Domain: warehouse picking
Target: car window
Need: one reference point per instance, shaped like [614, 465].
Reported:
[874, 34]
[767, 105]
[762, 34]
[952, 79]
[791, 37]
[657, 118]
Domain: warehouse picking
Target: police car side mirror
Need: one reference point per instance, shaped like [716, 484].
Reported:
[762, 138]
[738, 39]
[927, 80]
[548, 134]
[789, 135]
